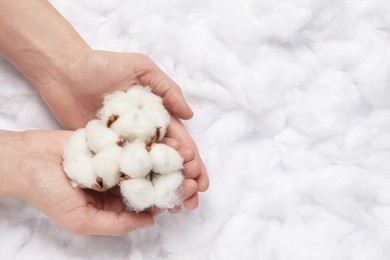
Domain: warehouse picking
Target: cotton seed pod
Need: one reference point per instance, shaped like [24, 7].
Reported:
[77, 161]
[99, 136]
[134, 124]
[106, 166]
[115, 103]
[138, 194]
[135, 161]
[167, 189]
[165, 159]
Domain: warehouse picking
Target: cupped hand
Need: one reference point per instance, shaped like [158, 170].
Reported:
[82, 212]
[75, 97]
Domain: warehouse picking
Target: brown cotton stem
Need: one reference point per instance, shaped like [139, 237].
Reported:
[124, 177]
[121, 142]
[154, 140]
[111, 120]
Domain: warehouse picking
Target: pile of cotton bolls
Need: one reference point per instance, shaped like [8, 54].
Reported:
[122, 147]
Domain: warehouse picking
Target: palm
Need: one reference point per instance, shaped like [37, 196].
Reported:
[78, 210]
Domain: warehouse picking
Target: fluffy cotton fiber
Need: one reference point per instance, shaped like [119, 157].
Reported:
[135, 161]
[165, 159]
[121, 148]
[99, 135]
[166, 188]
[138, 193]
[78, 161]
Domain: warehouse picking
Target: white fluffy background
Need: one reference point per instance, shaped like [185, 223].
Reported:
[292, 102]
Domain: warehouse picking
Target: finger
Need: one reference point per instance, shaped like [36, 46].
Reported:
[155, 211]
[175, 210]
[176, 130]
[166, 88]
[192, 202]
[192, 169]
[189, 188]
[203, 179]
[172, 143]
[185, 152]
[100, 222]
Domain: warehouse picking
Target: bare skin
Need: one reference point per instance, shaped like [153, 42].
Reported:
[36, 157]
[72, 79]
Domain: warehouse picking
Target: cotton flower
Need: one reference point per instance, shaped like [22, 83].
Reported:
[166, 189]
[137, 193]
[165, 159]
[152, 105]
[121, 148]
[135, 161]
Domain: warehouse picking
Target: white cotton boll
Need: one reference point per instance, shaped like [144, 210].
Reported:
[106, 166]
[152, 105]
[99, 135]
[143, 95]
[134, 124]
[80, 171]
[138, 193]
[165, 159]
[78, 160]
[116, 103]
[77, 145]
[135, 161]
[159, 116]
[166, 189]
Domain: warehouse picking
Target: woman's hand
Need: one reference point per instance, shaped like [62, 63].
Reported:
[31, 170]
[34, 174]
[72, 78]
[75, 98]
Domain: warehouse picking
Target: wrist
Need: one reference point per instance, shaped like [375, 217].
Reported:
[58, 68]
[55, 66]
[42, 45]
[11, 160]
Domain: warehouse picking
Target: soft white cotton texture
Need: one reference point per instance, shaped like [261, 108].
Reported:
[134, 124]
[152, 106]
[292, 119]
[165, 159]
[78, 160]
[115, 104]
[166, 189]
[106, 165]
[138, 193]
[135, 161]
[143, 96]
[99, 136]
